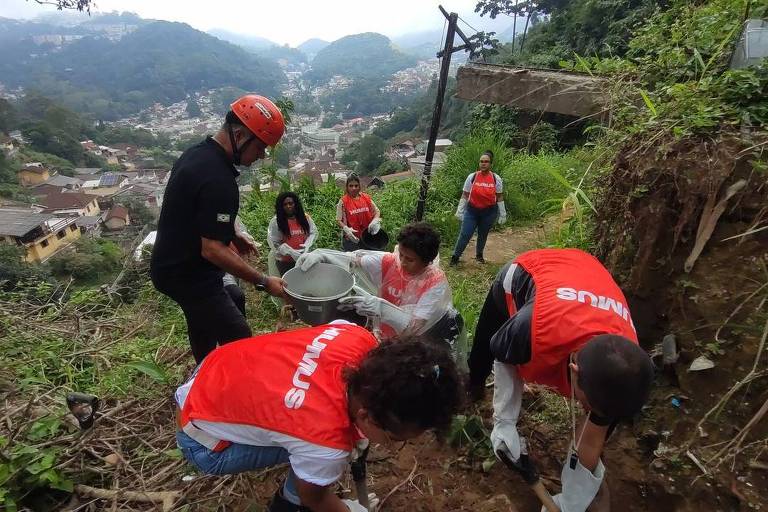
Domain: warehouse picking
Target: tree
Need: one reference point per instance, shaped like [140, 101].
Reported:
[91, 260]
[329, 121]
[390, 167]
[193, 109]
[370, 153]
[79, 5]
[14, 269]
[7, 171]
[8, 118]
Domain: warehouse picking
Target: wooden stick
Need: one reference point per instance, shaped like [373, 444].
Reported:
[544, 497]
[395, 488]
[164, 498]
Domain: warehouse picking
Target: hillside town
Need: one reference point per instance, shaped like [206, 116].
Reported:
[102, 202]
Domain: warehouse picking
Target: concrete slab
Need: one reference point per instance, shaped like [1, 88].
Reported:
[567, 93]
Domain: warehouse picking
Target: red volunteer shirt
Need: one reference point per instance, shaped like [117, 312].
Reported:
[289, 382]
[576, 300]
[483, 193]
[358, 212]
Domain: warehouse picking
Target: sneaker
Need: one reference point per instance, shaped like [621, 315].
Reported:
[454, 261]
[480, 259]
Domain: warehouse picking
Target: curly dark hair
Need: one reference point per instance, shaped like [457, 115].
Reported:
[407, 384]
[422, 239]
[282, 220]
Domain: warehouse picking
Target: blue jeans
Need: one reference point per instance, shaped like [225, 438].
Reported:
[237, 458]
[474, 218]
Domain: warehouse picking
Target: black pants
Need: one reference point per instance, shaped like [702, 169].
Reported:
[238, 297]
[212, 320]
[480, 360]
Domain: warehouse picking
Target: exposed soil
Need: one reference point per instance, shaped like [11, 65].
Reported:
[427, 475]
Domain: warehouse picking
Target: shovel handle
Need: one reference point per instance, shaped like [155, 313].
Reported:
[545, 497]
[358, 467]
[538, 488]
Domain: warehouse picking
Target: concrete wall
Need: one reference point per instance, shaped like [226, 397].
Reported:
[531, 89]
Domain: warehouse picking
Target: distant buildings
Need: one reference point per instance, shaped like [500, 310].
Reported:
[41, 235]
[33, 174]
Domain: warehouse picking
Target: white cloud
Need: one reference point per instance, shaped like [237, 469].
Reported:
[291, 21]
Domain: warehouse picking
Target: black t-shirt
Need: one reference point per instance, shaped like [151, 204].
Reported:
[201, 200]
[512, 342]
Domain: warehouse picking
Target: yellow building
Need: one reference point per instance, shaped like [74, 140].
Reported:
[33, 174]
[40, 234]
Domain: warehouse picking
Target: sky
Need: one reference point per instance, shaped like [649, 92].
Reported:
[290, 21]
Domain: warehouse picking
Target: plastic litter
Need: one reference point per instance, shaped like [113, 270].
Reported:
[701, 363]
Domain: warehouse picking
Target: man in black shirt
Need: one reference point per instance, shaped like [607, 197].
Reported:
[197, 225]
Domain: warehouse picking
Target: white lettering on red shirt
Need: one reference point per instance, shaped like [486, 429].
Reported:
[596, 301]
[295, 396]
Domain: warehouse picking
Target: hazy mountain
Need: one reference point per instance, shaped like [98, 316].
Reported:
[253, 43]
[422, 45]
[369, 56]
[111, 74]
[310, 47]
[505, 36]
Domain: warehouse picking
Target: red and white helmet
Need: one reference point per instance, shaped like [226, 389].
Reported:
[261, 116]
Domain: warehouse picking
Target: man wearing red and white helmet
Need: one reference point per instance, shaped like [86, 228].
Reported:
[197, 225]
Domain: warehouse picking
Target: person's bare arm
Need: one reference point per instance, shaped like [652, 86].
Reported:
[318, 498]
[224, 258]
[591, 446]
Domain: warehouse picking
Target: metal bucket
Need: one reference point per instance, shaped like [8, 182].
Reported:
[315, 293]
[377, 242]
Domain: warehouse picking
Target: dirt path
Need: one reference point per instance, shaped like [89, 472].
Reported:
[504, 245]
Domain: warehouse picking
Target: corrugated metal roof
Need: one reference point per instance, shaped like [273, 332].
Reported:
[17, 222]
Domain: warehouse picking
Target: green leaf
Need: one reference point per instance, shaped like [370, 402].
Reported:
[150, 369]
[648, 102]
[173, 453]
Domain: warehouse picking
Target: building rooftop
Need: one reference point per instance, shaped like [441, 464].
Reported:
[19, 222]
[117, 212]
[87, 221]
[63, 200]
[59, 180]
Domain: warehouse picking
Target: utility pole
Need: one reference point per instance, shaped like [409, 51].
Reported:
[445, 54]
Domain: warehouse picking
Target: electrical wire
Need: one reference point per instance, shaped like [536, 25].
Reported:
[468, 25]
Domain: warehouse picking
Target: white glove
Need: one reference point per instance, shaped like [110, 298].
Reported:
[579, 486]
[284, 250]
[502, 219]
[355, 506]
[294, 254]
[507, 401]
[461, 208]
[362, 305]
[374, 226]
[309, 259]
[350, 234]
[504, 438]
[360, 446]
[369, 305]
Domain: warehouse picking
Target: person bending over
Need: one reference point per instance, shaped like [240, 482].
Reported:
[308, 397]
